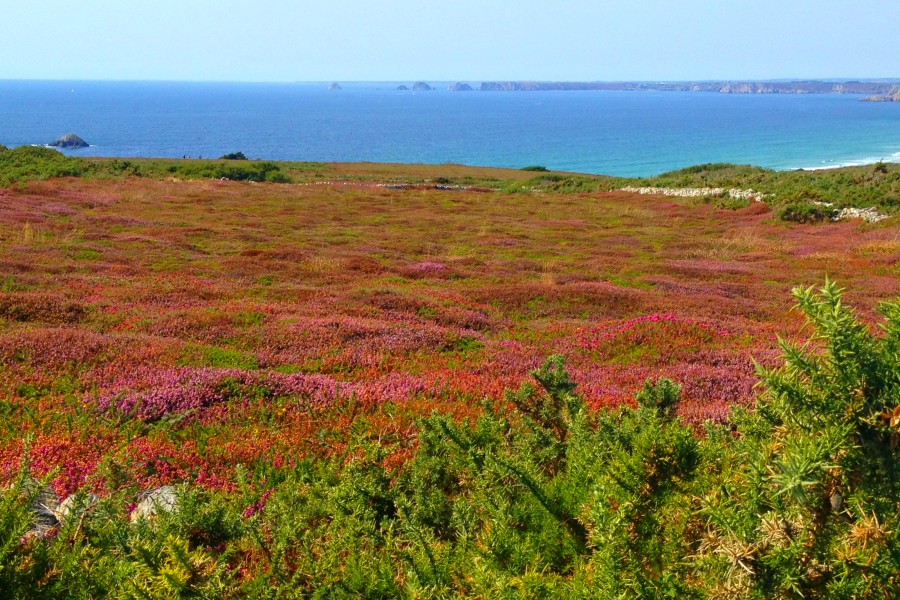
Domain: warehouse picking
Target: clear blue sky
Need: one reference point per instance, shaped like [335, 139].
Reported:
[469, 40]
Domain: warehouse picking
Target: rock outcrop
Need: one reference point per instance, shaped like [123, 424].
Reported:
[335, 87]
[402, 88]
[893, 96]
[70, 140]
[460, 87]
[161, 499]
[75, 505]
[421, 86]
[43, 508]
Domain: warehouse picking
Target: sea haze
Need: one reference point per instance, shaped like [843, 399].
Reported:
[609, 132]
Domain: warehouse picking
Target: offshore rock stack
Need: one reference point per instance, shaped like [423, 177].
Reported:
[70, 141]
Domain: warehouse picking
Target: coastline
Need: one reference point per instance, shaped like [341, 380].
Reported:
[618, 133]
[863, 162]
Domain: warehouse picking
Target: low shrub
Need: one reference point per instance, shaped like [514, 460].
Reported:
[252, 171]
[804, 213]
[28, 163]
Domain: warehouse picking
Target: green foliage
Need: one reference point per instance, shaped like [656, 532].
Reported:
[28, 163]
[728, 203]
[812, 511]
[234, 156]
[804, 213]
[252, 171]
[535, 168]
[218, 357]
[793, 192]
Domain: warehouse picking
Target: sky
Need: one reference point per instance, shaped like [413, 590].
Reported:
[459, 40]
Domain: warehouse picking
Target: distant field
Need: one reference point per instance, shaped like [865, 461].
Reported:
[157, 330]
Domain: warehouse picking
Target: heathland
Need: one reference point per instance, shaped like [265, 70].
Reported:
[321, 360]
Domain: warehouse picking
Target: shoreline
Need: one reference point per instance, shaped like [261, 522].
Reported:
[863, 162]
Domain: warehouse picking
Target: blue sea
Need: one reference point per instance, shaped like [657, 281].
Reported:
[607, 132]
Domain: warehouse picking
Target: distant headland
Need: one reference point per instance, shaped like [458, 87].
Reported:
[878, 91]
[872, 90]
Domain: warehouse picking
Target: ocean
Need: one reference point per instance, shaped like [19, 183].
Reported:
[606, 132]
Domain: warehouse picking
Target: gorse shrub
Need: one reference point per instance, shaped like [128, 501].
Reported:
[36, 162]
[252, 171]
[29, 163]
[804, 213]
[795, 498]
[813, 511]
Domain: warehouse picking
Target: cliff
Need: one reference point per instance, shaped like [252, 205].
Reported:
[872, 88]
[892, 96]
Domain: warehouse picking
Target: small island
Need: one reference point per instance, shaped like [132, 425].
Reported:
[421, 86]
[460, 87]
[69, 141]
[335, 87]
[402, 88]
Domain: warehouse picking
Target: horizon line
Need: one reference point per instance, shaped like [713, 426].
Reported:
[895, 79]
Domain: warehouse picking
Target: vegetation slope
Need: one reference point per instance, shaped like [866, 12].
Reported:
[324, 371]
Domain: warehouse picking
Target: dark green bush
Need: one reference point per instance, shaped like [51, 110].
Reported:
[252, 171]
[234, 156]
[804, 213]
[534, 168]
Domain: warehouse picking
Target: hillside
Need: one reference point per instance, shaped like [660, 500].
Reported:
[273, 347]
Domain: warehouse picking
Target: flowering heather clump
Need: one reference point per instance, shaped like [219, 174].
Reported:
[151, 394]
[49, 347]
[395, 387]
[40, 307]
[58, 208]
[658, 336]
[703, 266]
[351, 341]
[198, 325]
[154, 394]
[428, 269]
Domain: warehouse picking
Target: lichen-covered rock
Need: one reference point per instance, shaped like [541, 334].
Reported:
[74, 506]
[44, 504]
[161, 499]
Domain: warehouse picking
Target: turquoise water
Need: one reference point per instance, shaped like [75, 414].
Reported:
[617, 133]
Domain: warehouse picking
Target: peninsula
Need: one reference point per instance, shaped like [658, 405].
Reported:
[881, 87]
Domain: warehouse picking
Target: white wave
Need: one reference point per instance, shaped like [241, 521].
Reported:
[861, 162]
